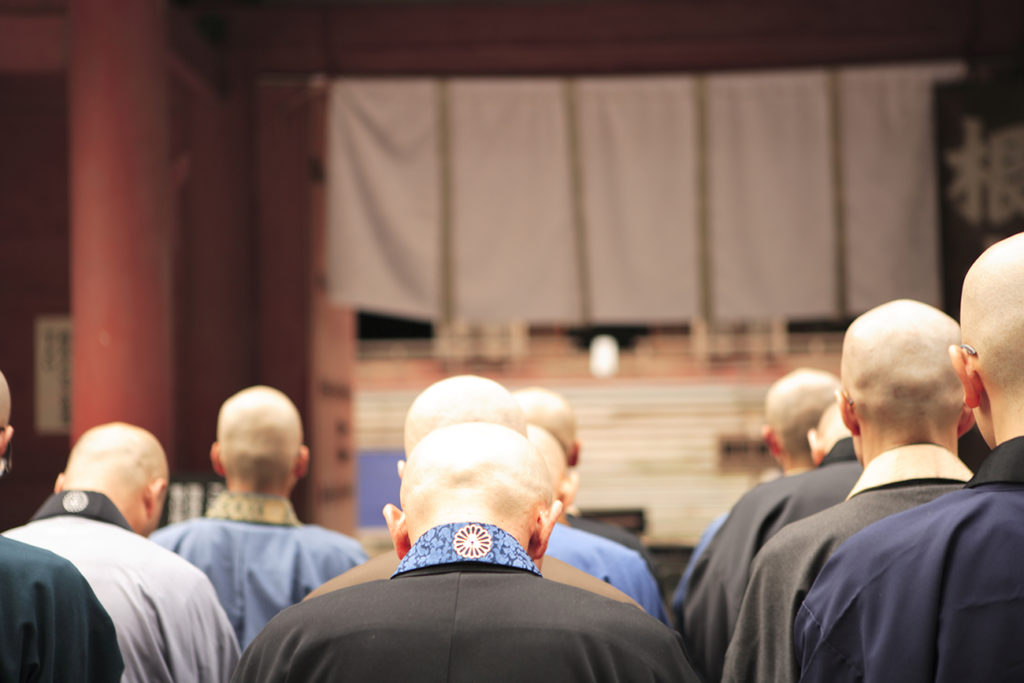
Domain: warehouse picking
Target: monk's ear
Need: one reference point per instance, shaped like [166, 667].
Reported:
[573, 456]
[963, 365]
[301, 466]
[215, 460]
[569, 488]
[848, 411]
[400, 466]
[153, 496]
[398, 529]
[60, 484]
[772, 440]
[965, 422]
[817, 445]
[6, 434]
[542, 528]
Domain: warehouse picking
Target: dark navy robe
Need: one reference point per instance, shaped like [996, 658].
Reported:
[935, 593]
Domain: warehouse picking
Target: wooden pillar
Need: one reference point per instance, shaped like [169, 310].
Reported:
[307, 345]
[121, 216]
[215, 300]
[332, 479]
[283, 252]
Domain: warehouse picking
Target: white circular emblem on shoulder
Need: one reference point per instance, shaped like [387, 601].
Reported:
[472, 542]
[75, 501]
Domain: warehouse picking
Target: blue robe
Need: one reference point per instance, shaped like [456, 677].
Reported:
[259, 568]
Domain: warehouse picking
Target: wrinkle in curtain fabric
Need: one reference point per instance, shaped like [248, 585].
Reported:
[514, 245]
[889, 188]
[771, 206]
[639, 166]
[383, 196]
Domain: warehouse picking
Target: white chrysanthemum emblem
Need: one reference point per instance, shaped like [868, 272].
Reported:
[75, 501]
[472, 542]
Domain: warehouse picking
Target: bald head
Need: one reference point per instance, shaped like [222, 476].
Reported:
[475, 472]
[829, 432]
[896, 369]
[794, 405]
[564, 480]
[259, 436]
[5, 401]
[550, 451]
[458, 400]
[115, 455]
[127, 464]
[992, 315]
[551, 411]
[992, 318]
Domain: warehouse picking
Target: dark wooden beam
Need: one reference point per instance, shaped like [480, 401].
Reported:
[35, 43]
[588, 38]
[32, 43]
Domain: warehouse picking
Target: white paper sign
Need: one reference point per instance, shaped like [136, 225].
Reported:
[53, 374]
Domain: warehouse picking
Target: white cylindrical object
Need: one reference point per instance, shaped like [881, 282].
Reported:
[604, 356]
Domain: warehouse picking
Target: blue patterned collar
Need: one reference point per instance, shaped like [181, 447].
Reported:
[466, 542]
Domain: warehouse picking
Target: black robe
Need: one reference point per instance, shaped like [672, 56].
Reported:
[720, 575]
[463, 624]
[762, 643]
[52, 628]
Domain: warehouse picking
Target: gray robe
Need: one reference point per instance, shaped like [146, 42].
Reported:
[761, 648]
[721, 573]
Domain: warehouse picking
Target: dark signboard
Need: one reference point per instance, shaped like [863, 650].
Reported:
[981, 173]
[188, 496]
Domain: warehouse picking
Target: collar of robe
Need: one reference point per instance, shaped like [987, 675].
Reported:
[916, 462]
[1004, 465]
[466, 542]
[89, 504]
[256, 508]
[841, 452]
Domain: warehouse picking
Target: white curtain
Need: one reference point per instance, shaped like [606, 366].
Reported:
[771, 204]
[517, 196]
[383, 196]
[639, 164]
[889, 183]
[514, 246]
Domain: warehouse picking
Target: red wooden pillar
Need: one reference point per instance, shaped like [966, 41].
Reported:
[121, 216]
[283, 254]
[307, 346]
[332, 330]
[215, 305]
